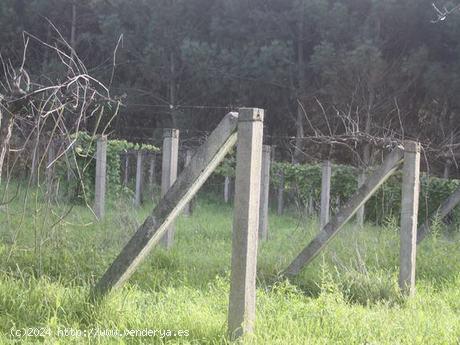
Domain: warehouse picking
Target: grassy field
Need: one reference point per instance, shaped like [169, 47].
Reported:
[348, 295]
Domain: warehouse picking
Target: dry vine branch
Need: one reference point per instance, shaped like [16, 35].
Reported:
[74, 98]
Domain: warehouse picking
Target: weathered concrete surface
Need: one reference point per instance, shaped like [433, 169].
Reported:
[51, 155]
[206, 159]
[264, 192]
[101, 162]
[227, 182]
[152, 170]
[242, 303]
[409, 214]
[373, 182]
[325, 193]
[280, 196]
[139, 179]
[360, 212]
[188, 208]
[126, 172]
[169, 174]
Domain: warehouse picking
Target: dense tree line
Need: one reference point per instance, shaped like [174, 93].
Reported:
[321, 68]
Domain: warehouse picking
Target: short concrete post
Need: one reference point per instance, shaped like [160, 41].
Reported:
[35, 159]
[227, 182]
[169, 173]
[409, 214]
[325, 193]
[360, 212]
[280, 196]
[242, 304]
[188, 158]
[126, 172]
[101, 160]
[310, 206]
[50, 170]
[139, 180]
[264, 193]
[152, 168]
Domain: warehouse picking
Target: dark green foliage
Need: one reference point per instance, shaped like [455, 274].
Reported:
[382, 61]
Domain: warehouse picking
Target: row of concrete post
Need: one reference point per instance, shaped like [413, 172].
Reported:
[325, 209]
[170, 155]
[251, 205]
[169, 174]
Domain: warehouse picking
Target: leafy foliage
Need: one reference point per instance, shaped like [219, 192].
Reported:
[305, 182]
[83, 165]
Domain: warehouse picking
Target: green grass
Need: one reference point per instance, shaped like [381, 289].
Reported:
[348, 295]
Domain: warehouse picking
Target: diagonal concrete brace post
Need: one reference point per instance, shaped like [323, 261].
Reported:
[373, 182]
[206, 159]
[242, 301]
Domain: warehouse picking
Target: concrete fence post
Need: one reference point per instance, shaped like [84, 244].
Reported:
[280, 196]
[169, 173]
[325, 193]
[188, 158]
[264, 192]
[35, 158]
[101, 161]
[50, 170]
[310, 206]
[126, 172]
[227, 182]
[139, 179]
[242, 301]
[152, 168]
[409, 214]
[360, 212]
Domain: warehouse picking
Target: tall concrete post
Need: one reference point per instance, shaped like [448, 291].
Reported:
[169, 173]
[360, 212]
[325, 193]
[242, 303]
[101, 161]
[139, 179]
[188, 158]
[280, 196]
[264, 192]
[409, 214]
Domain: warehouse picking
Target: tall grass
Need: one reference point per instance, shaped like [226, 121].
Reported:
[348, 295]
